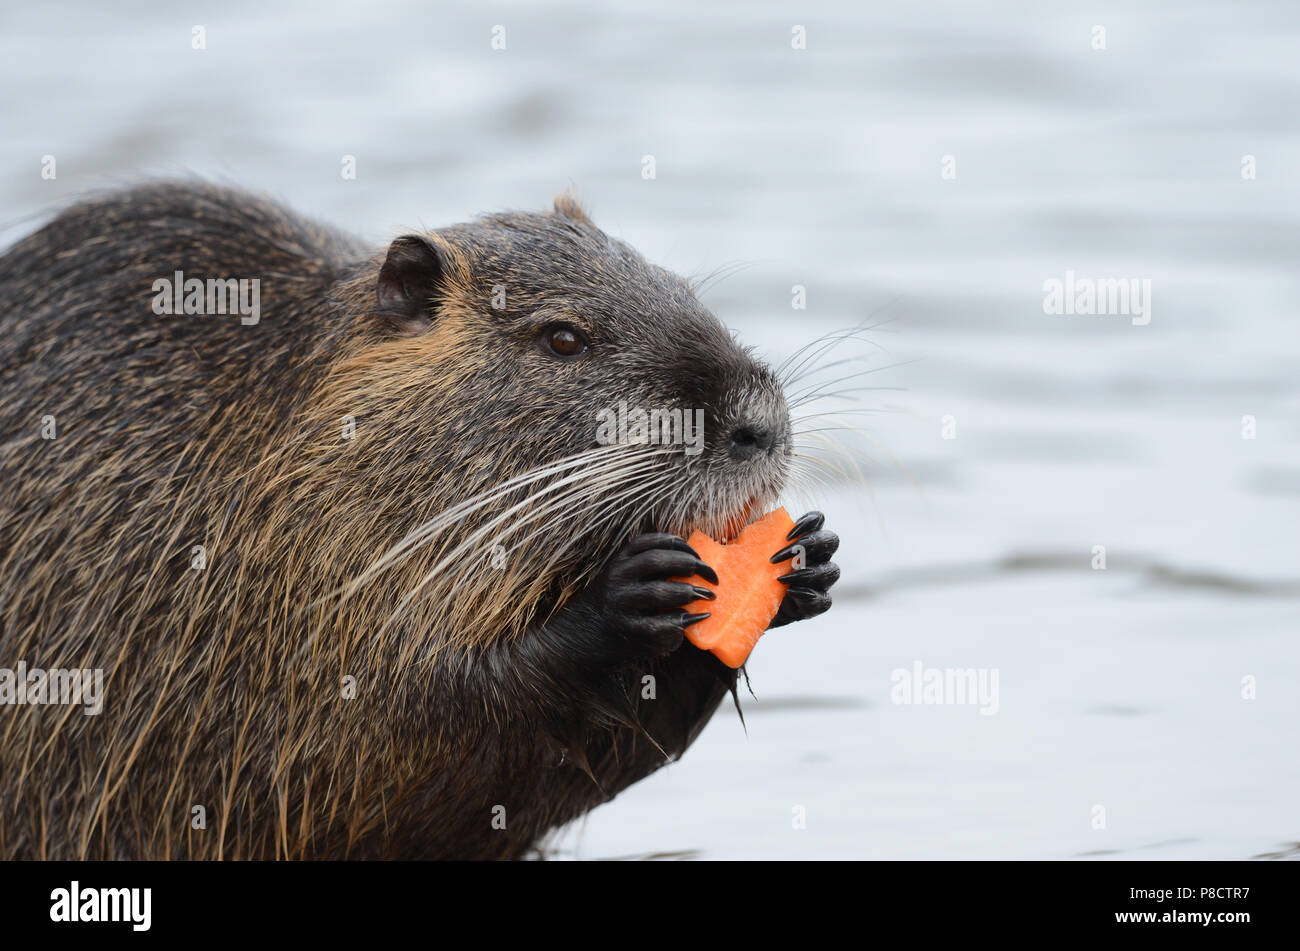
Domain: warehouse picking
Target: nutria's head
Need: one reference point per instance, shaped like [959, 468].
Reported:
[531, 392]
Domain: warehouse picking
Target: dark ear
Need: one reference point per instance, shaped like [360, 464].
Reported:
[409, 283]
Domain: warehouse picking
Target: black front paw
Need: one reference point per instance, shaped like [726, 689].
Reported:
[808, 586]
[642, 607]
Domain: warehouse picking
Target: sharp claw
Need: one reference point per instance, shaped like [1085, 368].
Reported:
[818, 546]
[820, 576]
[810, 522]
[693, 618]
[704, 593]
[783, 554]
[707, 573]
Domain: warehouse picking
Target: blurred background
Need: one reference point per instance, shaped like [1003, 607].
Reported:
[921, 169]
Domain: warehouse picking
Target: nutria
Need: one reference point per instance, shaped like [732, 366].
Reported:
[360, 579]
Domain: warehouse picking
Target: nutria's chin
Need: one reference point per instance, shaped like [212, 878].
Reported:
[360, 577]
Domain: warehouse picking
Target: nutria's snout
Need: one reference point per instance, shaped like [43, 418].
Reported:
[760, 425]
[750, 449]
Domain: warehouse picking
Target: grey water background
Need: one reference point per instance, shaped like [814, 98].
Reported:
[1120, 690]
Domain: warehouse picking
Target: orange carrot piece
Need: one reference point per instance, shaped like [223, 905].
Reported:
[748, 593]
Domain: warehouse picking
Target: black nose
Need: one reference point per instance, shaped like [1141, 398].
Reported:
[749, 440]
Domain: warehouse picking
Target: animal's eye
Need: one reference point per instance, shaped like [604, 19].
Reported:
[561, 340]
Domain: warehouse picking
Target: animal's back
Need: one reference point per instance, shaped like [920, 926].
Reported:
[123, 433]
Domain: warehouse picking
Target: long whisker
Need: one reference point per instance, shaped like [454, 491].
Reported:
[606, 518]
[475, 539]
[647, 493]
[448, 579]
[849, 474]
[817, 390]
[422, 534]
[464, 507]
[616, 505]
[719, 274]
[793, 368]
